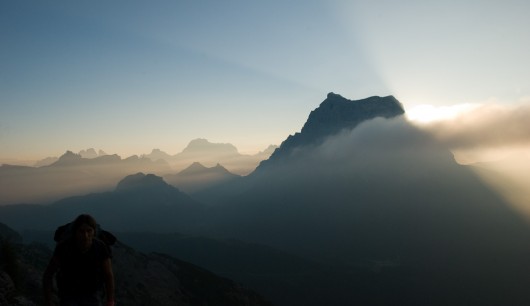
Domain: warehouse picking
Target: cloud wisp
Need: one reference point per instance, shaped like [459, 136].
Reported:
[495, 140]
[485, 127]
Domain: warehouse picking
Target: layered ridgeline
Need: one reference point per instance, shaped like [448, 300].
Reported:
[210, 154]
[358, 188]
[140, 202]
[70, 175]
[87, 172]
[363, 188]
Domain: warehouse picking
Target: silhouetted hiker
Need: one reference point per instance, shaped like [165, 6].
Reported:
[83, 267]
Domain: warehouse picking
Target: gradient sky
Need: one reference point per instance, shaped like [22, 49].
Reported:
[130, 76]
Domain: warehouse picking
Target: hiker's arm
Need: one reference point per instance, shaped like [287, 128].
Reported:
[109, 281]
[47, 280]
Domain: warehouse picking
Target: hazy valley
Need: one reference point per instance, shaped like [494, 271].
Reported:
[360, 207]
[87, 171]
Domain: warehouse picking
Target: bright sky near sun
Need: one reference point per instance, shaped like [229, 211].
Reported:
[130, 76]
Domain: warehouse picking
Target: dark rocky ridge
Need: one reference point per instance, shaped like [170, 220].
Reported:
[386, 197]
[141, 279]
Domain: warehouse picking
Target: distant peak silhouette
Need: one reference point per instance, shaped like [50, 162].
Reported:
[88, 153]
[141, 181]
[200, 145]
[198, 168]
[68, 158]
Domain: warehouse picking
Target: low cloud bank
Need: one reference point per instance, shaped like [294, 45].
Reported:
[488, 126]
[495, 139]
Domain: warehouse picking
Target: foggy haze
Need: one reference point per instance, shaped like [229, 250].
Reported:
[87, 172]
[495, 141]
[346, 209]
[485, 127]
[383, 196]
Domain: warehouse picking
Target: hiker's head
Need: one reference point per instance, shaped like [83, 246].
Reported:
[84, 229]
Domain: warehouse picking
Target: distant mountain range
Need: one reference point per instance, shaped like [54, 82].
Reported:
[198, 150]
[70, 175]
[210, 154]
[139, 202]
[358, 189]
[87, 172]
[88, 153]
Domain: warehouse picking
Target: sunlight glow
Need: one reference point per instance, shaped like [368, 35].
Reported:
[426, 113]
[510, 177]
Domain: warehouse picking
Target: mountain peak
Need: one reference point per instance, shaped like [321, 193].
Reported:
[196, 167]
[141, 181]
[201, 145]
[157, 154]
[91, 153]
[220, 169]
[88, 153]
[335, 114]
[68, 158]
[333, 95]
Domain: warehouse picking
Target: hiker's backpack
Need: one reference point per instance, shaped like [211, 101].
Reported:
[65, 232]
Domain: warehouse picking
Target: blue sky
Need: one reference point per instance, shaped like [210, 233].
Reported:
[130, 76]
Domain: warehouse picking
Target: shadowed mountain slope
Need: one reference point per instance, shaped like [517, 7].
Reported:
[139, 202]
[198, 177]
[383, 195]
[70, 175]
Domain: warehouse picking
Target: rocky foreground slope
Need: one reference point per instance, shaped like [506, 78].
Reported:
[141, 279]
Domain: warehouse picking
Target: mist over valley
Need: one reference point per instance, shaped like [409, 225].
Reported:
[359, 207]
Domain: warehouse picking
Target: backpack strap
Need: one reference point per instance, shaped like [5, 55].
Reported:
[65, 232]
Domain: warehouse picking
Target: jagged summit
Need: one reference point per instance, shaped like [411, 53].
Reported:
[88, 153]
[335, 114]
[72, 159]
[201, 145]
[91, 153]
[68, 158]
